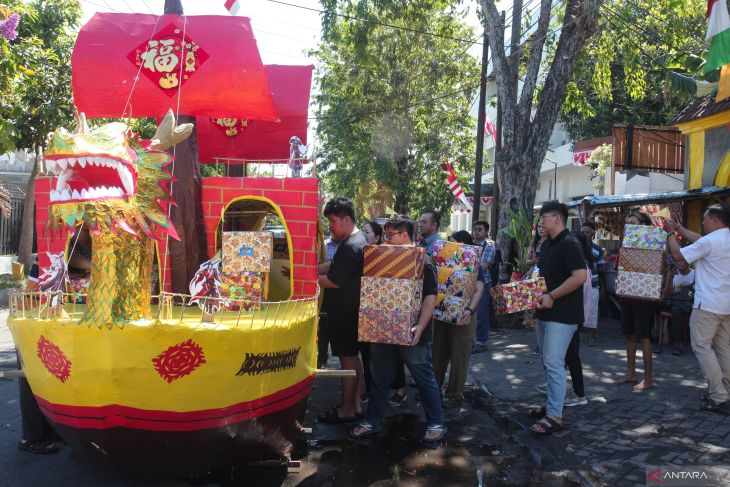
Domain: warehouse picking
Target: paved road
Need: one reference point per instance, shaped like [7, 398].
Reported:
[613, 438]
[608, 442]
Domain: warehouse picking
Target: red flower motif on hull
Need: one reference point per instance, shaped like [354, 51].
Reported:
[54, 359]
[179, 360]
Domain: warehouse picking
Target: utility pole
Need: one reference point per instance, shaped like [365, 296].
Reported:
[173, 7]
[494, 224]
[480, 130]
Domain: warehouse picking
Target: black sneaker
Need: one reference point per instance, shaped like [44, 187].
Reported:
[479, 348]
[397, 399]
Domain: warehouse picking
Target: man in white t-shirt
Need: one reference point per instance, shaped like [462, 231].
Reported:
[710, 320]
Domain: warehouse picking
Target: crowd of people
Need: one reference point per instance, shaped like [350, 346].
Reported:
[569, 262]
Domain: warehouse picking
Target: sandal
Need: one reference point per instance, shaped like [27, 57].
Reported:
[362, 431]
[537, 412]
[39, 447]
[333, 416]
[442, 429]
[547, 426]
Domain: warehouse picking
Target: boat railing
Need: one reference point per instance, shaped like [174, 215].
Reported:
[172, 307]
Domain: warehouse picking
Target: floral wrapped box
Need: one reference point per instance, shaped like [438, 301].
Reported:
[247, 251]
[394, 261]
[388, 309]
[644, 237]
[641, 260]
[518, 295]
[639, 285]
[458, 266]
[244, 290]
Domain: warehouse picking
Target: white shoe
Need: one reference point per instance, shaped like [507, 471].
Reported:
[542, 387]
[573, 400]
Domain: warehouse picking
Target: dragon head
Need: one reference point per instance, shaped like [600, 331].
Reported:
[108, 178]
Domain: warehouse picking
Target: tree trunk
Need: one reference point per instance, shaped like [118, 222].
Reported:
[401, 187]
[187, 214]
[27, 227]
[518, 186]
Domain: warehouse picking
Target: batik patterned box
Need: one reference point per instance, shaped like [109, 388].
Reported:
[388, 309]
[641, 260]
[518, 295]
[458, 266]
[247, 252]
[244, 290]
[644, 237]
[639, 285]
[394, 261]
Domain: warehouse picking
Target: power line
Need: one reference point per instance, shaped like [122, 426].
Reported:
[383, 24]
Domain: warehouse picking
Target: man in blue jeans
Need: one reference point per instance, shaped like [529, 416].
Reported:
[385, 359]
[562, 263]
[485, 312]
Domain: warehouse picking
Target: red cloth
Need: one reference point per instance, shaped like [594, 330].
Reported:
[222, 73]
[290, 86]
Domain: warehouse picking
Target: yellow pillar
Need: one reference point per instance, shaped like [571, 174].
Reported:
[696, 159]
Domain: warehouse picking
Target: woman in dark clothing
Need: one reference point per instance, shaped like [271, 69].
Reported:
[572, 356]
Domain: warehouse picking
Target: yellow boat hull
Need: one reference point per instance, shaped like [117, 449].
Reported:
[174, 396]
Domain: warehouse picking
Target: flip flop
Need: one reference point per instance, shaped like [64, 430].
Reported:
[641, 387]
[367, 431]
[39, 447]
[333, 417]
[442, 429]
[547, 426]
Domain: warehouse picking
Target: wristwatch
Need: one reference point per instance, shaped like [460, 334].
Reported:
[471, 311]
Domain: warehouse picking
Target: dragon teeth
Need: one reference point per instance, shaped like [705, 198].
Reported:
[75, 195]
[61, 163]
[126, 177]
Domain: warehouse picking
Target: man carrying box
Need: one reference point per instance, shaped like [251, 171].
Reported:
[560, 310]
[342, 282]
[386, 358]
[710, 320]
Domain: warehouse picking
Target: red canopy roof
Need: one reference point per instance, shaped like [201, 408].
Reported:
[243, 139]
[216, 71]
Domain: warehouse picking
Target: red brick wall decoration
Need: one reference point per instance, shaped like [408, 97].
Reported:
[295, 198]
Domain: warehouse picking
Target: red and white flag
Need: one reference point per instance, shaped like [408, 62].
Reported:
[233, 6]
[455, 187]
[489, 127]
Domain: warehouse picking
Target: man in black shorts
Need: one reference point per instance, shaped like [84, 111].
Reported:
[342, 283]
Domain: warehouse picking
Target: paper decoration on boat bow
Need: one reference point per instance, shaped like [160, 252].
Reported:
[230, 126]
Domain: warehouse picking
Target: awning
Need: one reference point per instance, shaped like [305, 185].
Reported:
[242, 140]
[646, 198]
[209, 64]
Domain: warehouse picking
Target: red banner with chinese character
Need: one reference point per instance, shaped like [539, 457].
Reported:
[211, 62]
[239, 138]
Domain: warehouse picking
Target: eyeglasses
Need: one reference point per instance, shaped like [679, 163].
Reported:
[388, 236]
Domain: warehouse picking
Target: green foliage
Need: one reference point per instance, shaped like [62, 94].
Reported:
[600, 160]
[35, 72]
[621, 75]
[393, 104]
[520, 229]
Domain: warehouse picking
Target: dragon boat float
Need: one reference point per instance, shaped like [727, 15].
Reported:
[193, 348]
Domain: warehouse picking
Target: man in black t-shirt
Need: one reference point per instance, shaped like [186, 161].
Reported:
[560, 310]
[342, 284]
[385, 359]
